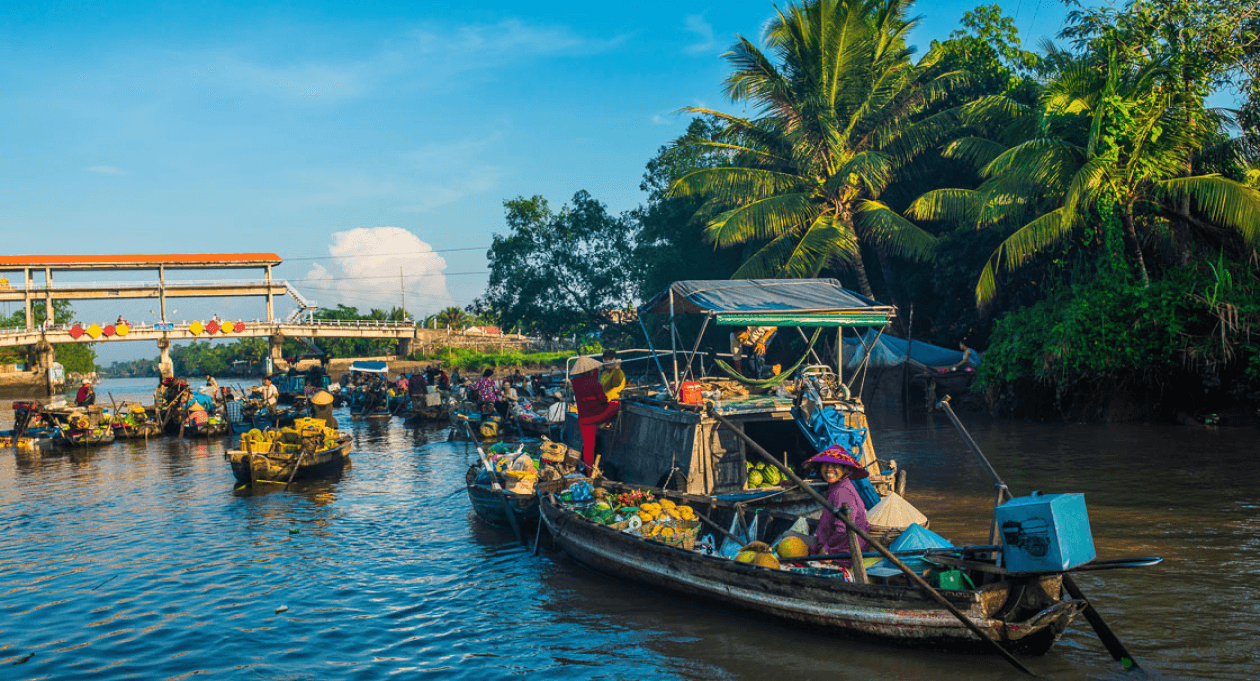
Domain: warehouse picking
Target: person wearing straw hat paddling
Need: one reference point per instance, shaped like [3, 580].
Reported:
[592, 404]
[836, 467]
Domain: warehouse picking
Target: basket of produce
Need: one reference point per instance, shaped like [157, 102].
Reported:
[679, 533]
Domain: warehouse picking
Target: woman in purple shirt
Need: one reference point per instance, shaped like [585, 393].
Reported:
[836, 466]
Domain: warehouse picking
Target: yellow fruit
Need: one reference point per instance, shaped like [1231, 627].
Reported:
[793, 547]
[667, 532]
[666, 503]
[645, 516]
[746, 556]
[765, 559]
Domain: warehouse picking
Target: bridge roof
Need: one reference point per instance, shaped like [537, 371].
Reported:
[141, 261]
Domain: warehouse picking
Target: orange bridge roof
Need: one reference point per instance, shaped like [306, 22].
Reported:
[173, 260]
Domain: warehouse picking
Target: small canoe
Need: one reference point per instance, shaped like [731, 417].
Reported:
[250, 466]
[488, 503]
[1025, 614]
[92, 437]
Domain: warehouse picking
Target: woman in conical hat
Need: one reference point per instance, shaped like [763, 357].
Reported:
[837, 467]
[592, 404]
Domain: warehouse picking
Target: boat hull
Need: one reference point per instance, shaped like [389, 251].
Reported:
[251, 467]
[489, 506]
[894, 614]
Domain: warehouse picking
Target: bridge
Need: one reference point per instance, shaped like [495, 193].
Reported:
[41, 339]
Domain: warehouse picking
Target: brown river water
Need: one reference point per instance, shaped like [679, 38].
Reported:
[139, 561]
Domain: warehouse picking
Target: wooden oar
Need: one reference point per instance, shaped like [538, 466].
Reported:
[301, 455]
[496, 487]
[1108, 638]
[853, 528]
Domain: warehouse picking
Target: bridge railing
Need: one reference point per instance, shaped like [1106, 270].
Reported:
[183, 325]
[107, 285]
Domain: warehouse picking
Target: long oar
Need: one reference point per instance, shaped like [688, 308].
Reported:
[1108, 638]
[888, 555]
[494, 485]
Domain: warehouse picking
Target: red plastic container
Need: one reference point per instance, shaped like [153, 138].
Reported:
[689, 393]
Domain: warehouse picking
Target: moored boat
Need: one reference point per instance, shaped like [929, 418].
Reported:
[488, 502]
[273, 462]
[1024, 613]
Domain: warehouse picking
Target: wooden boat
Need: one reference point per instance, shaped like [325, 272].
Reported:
[1026, 614]
[253, 466]
[488, 504]
[30, 439]
[429, 407]
[71, 437]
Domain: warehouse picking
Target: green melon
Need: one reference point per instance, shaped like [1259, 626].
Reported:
[755, 479]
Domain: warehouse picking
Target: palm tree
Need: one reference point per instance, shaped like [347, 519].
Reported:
[1106, 141]
[453, 318]
[841, 109]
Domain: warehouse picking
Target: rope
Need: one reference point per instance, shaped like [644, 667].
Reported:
[773, 380]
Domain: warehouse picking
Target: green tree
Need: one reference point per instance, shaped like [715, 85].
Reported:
[77, 357]
[558, 273]
[453, 318]
[1107, 144]
[841, 109]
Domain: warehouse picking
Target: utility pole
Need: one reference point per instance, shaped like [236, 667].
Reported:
[402, 292]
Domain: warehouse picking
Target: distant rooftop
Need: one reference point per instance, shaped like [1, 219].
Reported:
[140, 261]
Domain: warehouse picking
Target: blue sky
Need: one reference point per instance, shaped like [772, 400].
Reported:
[305, 129]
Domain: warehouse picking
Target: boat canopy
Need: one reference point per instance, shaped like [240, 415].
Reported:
[771, 302]
[370, 367]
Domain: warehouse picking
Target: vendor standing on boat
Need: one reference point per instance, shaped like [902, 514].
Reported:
[752, 342]
[321, 408]
[593, 406]
[485, 391]
[612, 378]
[270, 395]
[836, 467]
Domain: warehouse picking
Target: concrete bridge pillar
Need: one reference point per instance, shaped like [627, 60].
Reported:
[277, 353]
[166, 368]
[45, 356]
[404, 347]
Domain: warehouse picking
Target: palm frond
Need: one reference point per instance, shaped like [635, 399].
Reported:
[950, 205]
[882, 225]
[1222, 201]
[824, 238]
[974, 151]
[736, 183]
[1015, 251]
[763, 219]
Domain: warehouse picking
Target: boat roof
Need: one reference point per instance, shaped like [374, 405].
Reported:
[772, 302]
[371, 367]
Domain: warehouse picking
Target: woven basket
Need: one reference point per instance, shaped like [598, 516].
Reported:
[683, 538]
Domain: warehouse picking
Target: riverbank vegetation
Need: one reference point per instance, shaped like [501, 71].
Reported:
[1081, 212]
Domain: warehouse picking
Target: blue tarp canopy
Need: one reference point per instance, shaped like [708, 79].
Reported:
[771, 302]
[371, 367]
[889, 351]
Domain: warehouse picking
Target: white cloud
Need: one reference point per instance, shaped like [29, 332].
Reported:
[695, 23]
[107, 170]
[371, 267]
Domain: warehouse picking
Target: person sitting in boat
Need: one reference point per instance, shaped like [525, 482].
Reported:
[444, 381]
[321, 408]
[752, 342]
[836, 466]
[592, 404]
[86, 397]
[485, 391]
[612, 378]
[555, 417]
[232, 408]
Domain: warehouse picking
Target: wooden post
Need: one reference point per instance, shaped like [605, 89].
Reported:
[855, 551]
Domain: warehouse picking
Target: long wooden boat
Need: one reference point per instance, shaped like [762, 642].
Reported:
[249, 466]
[30, 439]
[1026, 614]
[488, 504]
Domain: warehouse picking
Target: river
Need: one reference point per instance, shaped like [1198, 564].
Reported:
[140, 561]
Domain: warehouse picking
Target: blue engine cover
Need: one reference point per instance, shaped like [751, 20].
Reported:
[1044, 533]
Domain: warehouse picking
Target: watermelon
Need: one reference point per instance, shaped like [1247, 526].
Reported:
[754, 478]
[772, 476]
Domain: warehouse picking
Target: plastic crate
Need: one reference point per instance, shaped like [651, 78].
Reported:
[1044, 533]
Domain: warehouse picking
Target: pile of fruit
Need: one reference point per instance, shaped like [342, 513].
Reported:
[286, 440]
[761, 554]
[764, 475]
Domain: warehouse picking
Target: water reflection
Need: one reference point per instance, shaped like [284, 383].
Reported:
[143, 559]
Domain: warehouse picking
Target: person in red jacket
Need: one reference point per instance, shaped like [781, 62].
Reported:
[592, 404]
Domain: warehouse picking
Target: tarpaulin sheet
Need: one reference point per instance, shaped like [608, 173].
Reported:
[776, 301]
[890, 351]
[371, 367]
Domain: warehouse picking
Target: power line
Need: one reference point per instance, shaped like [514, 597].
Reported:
[390, 276]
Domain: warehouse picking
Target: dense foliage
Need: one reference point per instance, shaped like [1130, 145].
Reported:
[1081, 210]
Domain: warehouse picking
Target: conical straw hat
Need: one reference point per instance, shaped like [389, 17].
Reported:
[894, 511]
